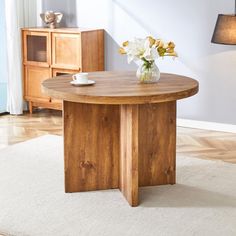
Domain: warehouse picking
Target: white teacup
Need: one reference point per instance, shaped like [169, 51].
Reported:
[80, 78]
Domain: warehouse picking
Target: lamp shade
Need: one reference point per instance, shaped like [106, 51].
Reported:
[225, 30]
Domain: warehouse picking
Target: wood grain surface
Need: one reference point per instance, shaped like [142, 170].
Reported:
[121, 88]
[91, 146]
[129, 146]
[157, 143]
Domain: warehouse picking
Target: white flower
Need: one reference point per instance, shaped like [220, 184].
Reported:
[140, 48]
[150, 53]
[135, 49]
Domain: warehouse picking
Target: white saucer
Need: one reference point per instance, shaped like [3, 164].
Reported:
[90, 82]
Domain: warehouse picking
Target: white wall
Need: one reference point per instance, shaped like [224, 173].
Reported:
[190, 25]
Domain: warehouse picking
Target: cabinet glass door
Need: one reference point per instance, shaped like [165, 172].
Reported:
[36, 48]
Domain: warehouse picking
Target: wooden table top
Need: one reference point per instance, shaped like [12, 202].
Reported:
[121, 88]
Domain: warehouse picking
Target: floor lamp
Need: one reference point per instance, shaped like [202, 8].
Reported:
[225, 29]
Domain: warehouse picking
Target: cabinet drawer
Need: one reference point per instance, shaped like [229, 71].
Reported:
[59, 72]
[34, 76]
[66, 51]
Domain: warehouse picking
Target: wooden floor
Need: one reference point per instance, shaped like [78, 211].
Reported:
[190, 142]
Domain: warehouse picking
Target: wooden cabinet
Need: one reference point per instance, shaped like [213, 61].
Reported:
[57, 52]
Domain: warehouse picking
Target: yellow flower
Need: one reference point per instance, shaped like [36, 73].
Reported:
[171, 45]
[122, 51]
[151, 40]
[171, 50]
[159, 43]
[166, 45]
[161, 51]
[125, 44]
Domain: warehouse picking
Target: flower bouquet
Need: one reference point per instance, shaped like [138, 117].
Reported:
[147, 50]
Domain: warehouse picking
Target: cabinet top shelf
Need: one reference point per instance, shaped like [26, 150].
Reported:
[61, 30]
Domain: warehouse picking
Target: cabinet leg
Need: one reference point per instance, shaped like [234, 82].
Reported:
[30, 107]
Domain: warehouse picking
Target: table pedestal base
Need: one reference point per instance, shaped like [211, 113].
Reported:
[125, 147]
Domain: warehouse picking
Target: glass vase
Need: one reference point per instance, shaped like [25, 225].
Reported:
[148, 73]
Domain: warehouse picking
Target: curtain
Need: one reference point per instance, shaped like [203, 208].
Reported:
[3, 65]
[14, 91]
[18, 13]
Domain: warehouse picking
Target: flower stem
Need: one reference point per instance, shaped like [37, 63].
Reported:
[147, 64]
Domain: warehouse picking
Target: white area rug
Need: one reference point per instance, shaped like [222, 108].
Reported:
[33, 202]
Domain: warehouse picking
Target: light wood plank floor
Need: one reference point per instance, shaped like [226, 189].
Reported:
[190, 142]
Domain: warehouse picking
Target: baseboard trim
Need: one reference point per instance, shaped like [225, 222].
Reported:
[195, 124]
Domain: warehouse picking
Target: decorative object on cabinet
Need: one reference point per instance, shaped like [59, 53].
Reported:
[51, 18]
[54, 52]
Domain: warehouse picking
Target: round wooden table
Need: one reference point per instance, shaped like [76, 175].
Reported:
[119, 133]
